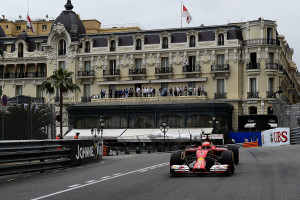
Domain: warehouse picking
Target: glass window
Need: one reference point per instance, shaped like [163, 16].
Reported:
[44, 27]
[252, 85]
[220, 86]
[253, 110]
[164, 62]
[112, 66]
[271, 85]
[18, 28]
[165, 44]
[62, 47]
[220, 39]
[220, 59]
[112, 45]
[138, 44]
[87, 47]
[20, 50]
[192, 41]
[138, 63]
[61, 64]
[19, 90]
[39, 91]
[271, 55]
[87, 66]
[87, 90]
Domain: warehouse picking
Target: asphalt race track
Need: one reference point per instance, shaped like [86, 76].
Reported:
[263, 173]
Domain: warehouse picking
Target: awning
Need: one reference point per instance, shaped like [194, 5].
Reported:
[273, 125]
[250, 125]
[108, 134]
[148, 135]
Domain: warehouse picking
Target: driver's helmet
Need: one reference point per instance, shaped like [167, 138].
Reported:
[206, 145]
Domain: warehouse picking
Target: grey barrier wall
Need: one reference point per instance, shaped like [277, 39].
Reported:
[40, 155]
[295, 136]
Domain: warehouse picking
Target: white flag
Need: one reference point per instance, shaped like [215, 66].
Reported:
[185, 13]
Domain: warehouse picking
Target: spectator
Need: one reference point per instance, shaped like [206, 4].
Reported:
[175, 92]
[171, 92]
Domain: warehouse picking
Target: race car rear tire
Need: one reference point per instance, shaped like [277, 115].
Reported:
[176, 159]
[236, 154]
[228, 159]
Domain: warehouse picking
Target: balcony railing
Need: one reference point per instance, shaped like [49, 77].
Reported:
[61, 52]
[272, 66]
[138, 48]
[35, 74]
[112, 49]
[164, 70]
[20, 75]
[220, 95]
[137, 71]
[86, 73]
[261, 41]
[191, 68]
[224, 67]
[220, 43]
[251, 66]
[86, 99]
[8, 75]
[271, 94]
[165, 46]
[252, 95]
[111, 72]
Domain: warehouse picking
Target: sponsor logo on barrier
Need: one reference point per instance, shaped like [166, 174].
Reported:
[276, 137]
[87, 152]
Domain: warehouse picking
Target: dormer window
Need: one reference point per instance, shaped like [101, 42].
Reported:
[113, 45]
[220, 39]
[62, 47]
[192, 41]
[21, 50]
[165, 43]
[138, 44]
[87, 47]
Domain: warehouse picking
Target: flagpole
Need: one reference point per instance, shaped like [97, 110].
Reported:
[181, 14]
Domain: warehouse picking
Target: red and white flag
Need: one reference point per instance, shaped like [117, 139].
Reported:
[185, 13]
[30, 24]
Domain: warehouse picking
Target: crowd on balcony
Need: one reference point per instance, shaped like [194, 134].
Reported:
[151, 92]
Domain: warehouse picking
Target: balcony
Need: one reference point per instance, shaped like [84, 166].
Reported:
[262, 41]
[220, 95]
[35, 74]
[164, 70]
[272, 69]
[253, 69]
[271, 94]
[137, 73]
[252, 95]
[20, 75]
[191, 70]
[86, 73]
[222, 70]
[111, 73]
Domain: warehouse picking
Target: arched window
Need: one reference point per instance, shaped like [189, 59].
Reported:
[20, 50]
[113, 45]
[87, 47]
[253, 110]
[220, 39]
[62, 47]
[138, 44]
[165, 43]
[192, 41]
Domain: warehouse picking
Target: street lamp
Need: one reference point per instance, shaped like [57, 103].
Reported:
[102, 124]
[164, 127]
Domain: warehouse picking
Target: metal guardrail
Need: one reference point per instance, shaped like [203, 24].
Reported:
[295, 136]
[40, 155]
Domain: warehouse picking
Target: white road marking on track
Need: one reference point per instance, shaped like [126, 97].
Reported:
[72, 186]
[91, 181]
[106, 178]
[118, 174]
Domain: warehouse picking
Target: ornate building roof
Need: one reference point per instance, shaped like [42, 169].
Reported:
[71, 22]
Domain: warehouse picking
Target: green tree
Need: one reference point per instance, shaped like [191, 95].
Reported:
[62, 80]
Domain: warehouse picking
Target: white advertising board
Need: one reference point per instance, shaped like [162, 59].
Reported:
[276, 137]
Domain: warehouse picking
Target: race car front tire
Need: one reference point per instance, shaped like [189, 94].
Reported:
[236, 154]
[176, 159]
[228, 159]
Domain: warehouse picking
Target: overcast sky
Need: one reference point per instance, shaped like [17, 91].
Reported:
[159, 14]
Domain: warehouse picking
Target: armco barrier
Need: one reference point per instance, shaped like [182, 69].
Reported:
[295, 136]
[41, 155]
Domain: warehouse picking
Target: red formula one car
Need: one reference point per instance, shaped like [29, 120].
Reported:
[205, 159]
